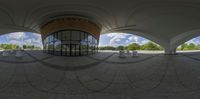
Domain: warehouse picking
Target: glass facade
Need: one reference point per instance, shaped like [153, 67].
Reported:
[70, 43]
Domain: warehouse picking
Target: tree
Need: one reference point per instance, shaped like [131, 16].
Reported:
[107, 48]
[191, 46]
[151, 46]
[24, 46]
[183, 46]
[198, 47]
[8, 46]
[133, 46]
[32, 47]
[120, 48]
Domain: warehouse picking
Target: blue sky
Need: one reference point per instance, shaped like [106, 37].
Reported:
[21, 38]
[195, 40]
[111, 39]
[117, 39]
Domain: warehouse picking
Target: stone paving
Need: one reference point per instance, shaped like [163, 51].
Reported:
[101, 76]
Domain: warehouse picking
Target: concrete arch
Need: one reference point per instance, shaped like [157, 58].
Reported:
[43, 13]
[8, 15]
[156, 5]
[184, 37]
[19, 31]
[12, 28]
[55, 15]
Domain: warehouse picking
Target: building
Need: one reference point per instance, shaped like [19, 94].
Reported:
[72, 28]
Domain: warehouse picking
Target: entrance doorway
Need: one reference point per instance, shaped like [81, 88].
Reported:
[70, 50]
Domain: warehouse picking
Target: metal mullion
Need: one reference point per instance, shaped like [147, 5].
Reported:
[61, 43]
[87, 42]
[70, 47]
[79, 43]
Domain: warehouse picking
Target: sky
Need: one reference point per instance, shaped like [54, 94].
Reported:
[195, 40]
[21, 38]
[118, 39]
[111, 39]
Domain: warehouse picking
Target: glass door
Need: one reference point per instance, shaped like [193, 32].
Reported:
[77, 50]
[66, 50]
[74, 50]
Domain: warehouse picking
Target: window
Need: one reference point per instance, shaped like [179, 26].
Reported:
[70, 43]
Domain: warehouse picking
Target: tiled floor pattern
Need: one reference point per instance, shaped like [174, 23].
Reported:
[101, 76]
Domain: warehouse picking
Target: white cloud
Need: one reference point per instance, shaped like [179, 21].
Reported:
[36, 34]
[132, 42]
[130, 38]
[117, 35]
[127, 41]
[16, 36]
[136, 38]
[144, 42]
[195, 40]
[15, 42]
[21, 38]
[111, 34]
[117, 38]
[36, 40]
[28, 41]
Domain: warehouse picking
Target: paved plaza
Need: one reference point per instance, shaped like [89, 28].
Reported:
[101, 76]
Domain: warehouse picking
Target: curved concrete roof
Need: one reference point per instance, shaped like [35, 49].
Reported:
[166, 22]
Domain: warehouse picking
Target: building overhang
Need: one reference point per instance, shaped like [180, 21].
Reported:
[70, 23]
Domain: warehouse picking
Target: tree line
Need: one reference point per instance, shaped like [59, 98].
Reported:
[134, 46]
[9, 46]
[17, 47]
[190, 46]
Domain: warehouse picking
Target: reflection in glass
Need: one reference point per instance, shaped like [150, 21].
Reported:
[70, 43]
